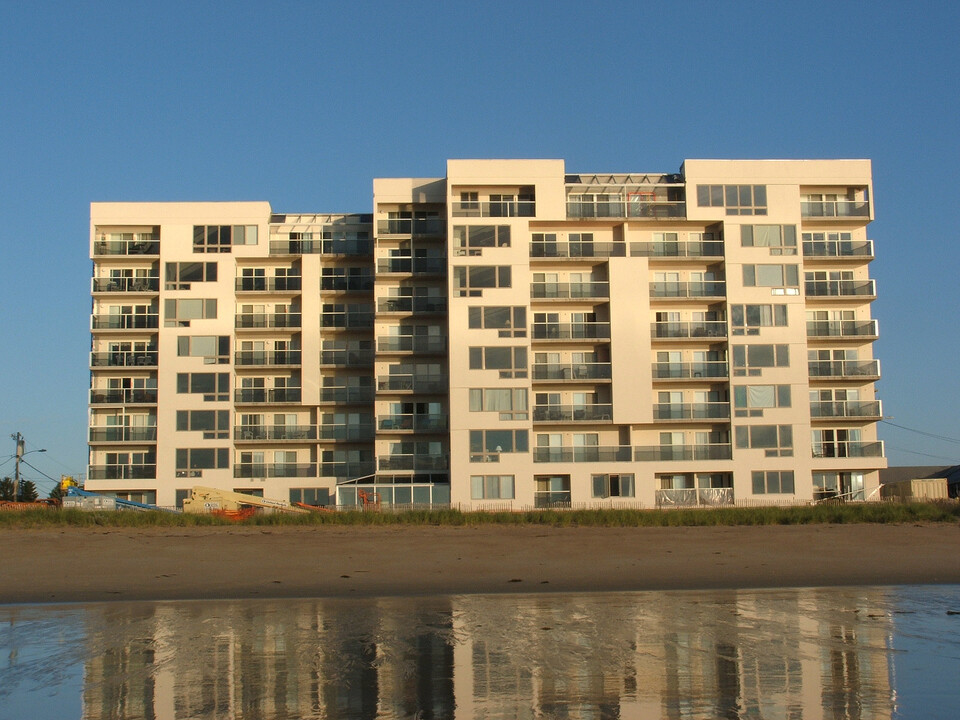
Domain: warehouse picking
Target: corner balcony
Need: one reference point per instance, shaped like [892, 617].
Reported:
[122, 472]
[691, 371]
[126, 284]
[412, 422]
[514, 208]
[841, 288]
[668, 453]
[569, 291]
[392, 463]
[866, 370]
[691, 411]
[710, 249]
[124, 396]
[141, 245]
[843, 329]
[410, 305]
[430, 226]
[290, 283]
[599, 412]
[571, 331]
[138, 321]
[117, 433]
[847, 449]
[266, 358]
[838, 249]
[576, 250]
[835, 209]
[412, 266]
[640, 209]
[346, 395]
[144, 358]
[267, 395]
[275, 470]
[572, 371]
[688, 290]
[260, 321]
[275, 432]
[614, 453]
[688, 330]
[412, 343]
[846, 409]
[426, 384]
[694, 497]
[362, 432]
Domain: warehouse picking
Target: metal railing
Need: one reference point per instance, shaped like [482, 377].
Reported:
[412, 226]
[571, 331]
[577, 249]
[362, 248]
[573, 413]
[847, 448]
[269, 284]
[709, 288]
[414, 383]
[143, 245]
[691, 411]
[653, 209]
[122, 472]
[583, 454]
[838, 248]
[508, 208]
[695, 249]
[267, 357]
[706, 329]
[267, 395]
[413, 265]
[275, 432]
[843, 368]
[416, 422]
[146, 358]
[834, 209]
[268, 320]
[845, 409]
[683, 371]
[274, 470]
[840, 288]
[572, 371]
[127, 284]
[658, 453]
[569, 291]
[117, 433]
[841, 328]
[130, 396]
[412, 343]
[412, 304]
[137, 321]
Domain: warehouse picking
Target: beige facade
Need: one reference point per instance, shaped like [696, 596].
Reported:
[506, 336]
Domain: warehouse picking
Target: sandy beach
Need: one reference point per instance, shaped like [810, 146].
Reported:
[67, 564]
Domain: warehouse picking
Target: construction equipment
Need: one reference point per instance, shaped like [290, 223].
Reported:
[225, 502]
[75, 498]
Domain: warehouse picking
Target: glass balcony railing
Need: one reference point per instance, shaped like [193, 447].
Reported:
[839, 209]
[267, 320]
[124, 396]
[347, 321]
[577, 249]
[571, 331]
[138, 321]
[706, 329]
[572, 371]
[346, 394]
[412, 383]
[117, 433]
[274, 470]
[141, 358]
[413, 265]
[266, 357]
[846, 409]
[642, 209]
[412, 226]
[862, 369]
[838, 248]
[690, 371]
[338, 431]
[510, 208]
[127, 284]
[842, 328]
[357, 248]
[412, 305]
[122, 472]
[267, 395]
[352, 283]
[290, 283]
[275, 432]
[354, 358]
[710, 288]
[569, 291]
[412, 462]
[583, 454]
[840, 288]
[667, 453]
[707, 248]
[137, 245]
[691, 411]
[573, 413]
[412, 421]
[347, 468]
[848, 448]
[412, 343]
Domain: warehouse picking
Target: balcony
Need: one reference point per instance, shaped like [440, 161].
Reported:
[412, 226]
[691, 411]
[126, 284]
[117, 433]
[571, 331]
[290, 283]
[122, 472]
[141, 358]
[577, 249]
[139, 321]
[274, 470]
[412, 383]
[848, 448]
[572, 371]
[358, 433]
[690, 371]
[352, 358]
[853, 409]
[854, 329]
[668, 453]
[275, 432]
[346, 321]
[684, 330]
[692, 290]
[139, 245]
[583, 454]
[348, 469]
[412, 305]
[413, 266]
[387, 463]
[837, 209]
[259, 321]
[703, 249]
[694, 497]
[124, 396]
[515, 208]
[352, 283]
[412, 421]
[412, 343]
[569, 291]
[267, 395]
[641, 209]
[599, 412]
[356, 248]
[262, 358]
[840, 288]
[346, 395]
[860, 249]
[844, 369]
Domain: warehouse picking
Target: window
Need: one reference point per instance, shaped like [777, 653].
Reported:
[772, 482]
[510, 321]
[318, 497]
[510, 361]
[469, 200]
[551, 491]
[781, 239]
[190, 462]
[613, 485]
[511, 403]
[776, 440]
[219, 238]
[469, 281]
[749, 359]
[775, 276]
[179, 313]
[212, 348]
[737, 199]
[752, 399]
[748, 319]
[213, 386]
[179, 276]
[213, 423]
[471, 239]
[492, 487]
[486, 445]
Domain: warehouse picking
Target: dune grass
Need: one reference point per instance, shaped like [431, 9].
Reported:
[684, 517]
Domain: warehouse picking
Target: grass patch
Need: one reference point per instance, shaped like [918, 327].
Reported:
[936, 512]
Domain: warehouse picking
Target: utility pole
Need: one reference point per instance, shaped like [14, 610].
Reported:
[18, 438]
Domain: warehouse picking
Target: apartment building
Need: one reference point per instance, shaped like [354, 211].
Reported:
[509, 335]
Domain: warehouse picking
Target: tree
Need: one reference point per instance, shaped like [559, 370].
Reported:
[28, 491]
[6, 489]
[56, 493]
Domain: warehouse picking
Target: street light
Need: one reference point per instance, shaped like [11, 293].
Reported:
[18, 438]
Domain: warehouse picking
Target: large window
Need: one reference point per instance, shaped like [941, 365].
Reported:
[781, 239]
[773, 482]
[471, 239]
[190, 461]
[613, 485]
[510, 361]
[748, 319]
[212, 348]
[471, 280]
[510, 321]
[213, 386]
[219, 238]
[318, 497]
[212, 423]
[751, 400]
[492, 487]
[737, 199]
[486, 445]
[179, 313]
[179, 276]
[775, 276]
[750, 359]
[511, 403]
[775, 440]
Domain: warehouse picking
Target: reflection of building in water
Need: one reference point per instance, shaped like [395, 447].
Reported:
[792, 653]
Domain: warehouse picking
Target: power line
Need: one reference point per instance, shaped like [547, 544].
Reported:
[922, 432]
[40, 471]
[914, 452]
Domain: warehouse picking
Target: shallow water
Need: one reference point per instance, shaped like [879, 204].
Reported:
[800, 653]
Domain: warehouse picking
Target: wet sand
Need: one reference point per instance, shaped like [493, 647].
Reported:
[84, 564]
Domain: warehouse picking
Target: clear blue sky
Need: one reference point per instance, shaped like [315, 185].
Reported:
[302, 104]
